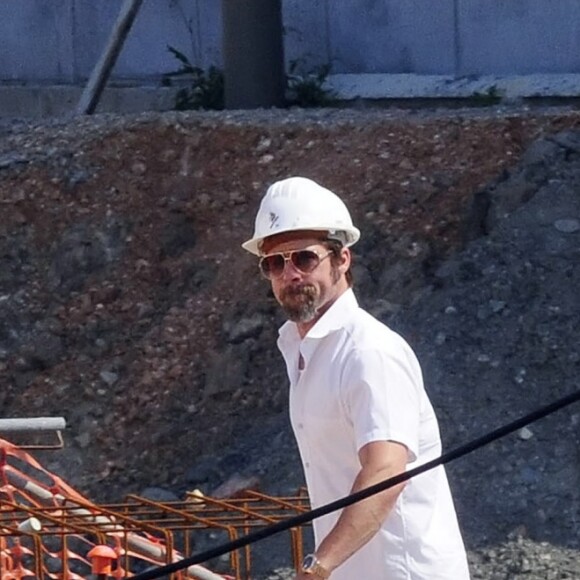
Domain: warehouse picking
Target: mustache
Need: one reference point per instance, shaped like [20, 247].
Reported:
[306, 290]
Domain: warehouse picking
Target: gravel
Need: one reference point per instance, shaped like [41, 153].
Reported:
[126, 306]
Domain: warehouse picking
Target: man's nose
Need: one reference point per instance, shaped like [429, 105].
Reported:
[290, 271]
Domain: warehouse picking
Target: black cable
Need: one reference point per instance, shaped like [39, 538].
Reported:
[363, 494]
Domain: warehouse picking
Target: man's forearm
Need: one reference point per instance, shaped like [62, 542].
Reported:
[359, 522]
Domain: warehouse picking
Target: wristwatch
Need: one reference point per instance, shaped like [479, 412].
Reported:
[311, 565]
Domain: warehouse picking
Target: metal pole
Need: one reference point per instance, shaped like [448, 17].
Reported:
[28, 424]
[253, 51]
[92, 93]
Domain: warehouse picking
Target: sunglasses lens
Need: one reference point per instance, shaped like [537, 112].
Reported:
[305, 260]
[272, 266]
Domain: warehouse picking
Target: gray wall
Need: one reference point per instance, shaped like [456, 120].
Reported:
[60, 40]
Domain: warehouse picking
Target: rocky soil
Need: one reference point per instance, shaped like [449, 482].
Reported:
[127, 306]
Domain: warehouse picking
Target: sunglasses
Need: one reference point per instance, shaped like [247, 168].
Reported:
[305, 261]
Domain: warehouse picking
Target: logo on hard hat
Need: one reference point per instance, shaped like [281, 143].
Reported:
[273, 219]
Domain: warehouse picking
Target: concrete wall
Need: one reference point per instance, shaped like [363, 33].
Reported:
[60, 40]
[518, 36]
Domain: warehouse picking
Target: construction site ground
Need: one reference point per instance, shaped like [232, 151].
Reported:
[128, 307]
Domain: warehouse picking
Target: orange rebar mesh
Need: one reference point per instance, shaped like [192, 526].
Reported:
[47, 529]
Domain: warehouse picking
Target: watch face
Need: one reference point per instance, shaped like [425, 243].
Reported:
[311, 566]
[308, 562]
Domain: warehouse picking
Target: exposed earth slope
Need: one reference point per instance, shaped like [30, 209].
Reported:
[127, 305]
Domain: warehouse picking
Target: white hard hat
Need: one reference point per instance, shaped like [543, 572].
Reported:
[296, 204]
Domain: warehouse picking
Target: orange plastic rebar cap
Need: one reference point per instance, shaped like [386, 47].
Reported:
[101, 559]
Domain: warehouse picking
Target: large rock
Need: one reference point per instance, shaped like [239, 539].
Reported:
[85, 249]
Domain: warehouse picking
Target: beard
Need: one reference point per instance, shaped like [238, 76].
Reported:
[300, 302]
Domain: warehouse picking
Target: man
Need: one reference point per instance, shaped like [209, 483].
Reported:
[357, 403]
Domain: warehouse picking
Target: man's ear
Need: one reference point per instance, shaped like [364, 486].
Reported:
[345, 256]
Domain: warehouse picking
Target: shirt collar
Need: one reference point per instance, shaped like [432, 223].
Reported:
[333, 319]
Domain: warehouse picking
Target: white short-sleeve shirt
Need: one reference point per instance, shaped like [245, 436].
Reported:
[361, 382]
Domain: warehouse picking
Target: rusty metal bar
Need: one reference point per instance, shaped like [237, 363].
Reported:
[43, 521]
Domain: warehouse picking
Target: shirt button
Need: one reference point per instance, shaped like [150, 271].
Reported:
[300, 425]
[307, 465]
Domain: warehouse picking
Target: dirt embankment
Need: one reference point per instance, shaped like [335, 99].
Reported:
[127, 305]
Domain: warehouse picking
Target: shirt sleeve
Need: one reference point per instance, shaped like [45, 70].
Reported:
[381, 393]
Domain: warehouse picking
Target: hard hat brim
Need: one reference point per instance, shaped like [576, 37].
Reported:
[253, 245]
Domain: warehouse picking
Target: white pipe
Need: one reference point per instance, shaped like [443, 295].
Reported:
[32, 424]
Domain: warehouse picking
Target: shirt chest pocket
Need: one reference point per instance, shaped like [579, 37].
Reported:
[323, 416]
